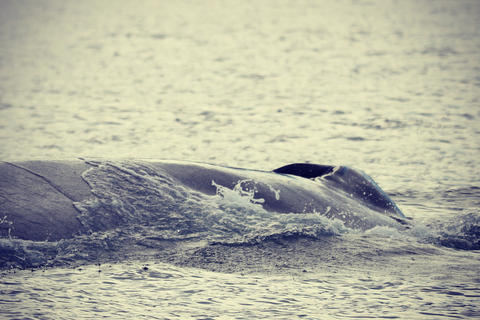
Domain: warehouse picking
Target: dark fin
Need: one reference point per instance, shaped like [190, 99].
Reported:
[305, 170]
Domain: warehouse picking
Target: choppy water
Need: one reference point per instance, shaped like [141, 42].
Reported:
[164, 292]
[391, 88]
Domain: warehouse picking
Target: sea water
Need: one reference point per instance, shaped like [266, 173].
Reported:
[388, 87]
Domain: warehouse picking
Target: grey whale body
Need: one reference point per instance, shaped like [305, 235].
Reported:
[41, 200]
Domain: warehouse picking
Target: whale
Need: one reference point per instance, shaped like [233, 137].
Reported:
[51, 200]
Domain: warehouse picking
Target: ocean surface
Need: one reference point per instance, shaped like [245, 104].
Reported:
[388, 87]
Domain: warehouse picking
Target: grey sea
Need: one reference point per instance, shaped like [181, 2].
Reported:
[389, 87]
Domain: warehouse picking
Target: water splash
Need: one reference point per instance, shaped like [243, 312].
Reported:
[460, 232]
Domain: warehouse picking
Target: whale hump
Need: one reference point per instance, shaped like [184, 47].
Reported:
[305, 170]
[52, 200]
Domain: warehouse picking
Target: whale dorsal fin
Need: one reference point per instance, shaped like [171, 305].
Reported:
[305, 170]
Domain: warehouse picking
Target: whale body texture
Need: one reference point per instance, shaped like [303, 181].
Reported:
[50, 200]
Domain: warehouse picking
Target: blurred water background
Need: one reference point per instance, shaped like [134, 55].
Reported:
[389, 87]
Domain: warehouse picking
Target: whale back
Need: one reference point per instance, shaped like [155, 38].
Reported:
[51, 200]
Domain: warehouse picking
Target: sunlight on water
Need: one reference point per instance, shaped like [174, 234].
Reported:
[163, 291]
[388, 87]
